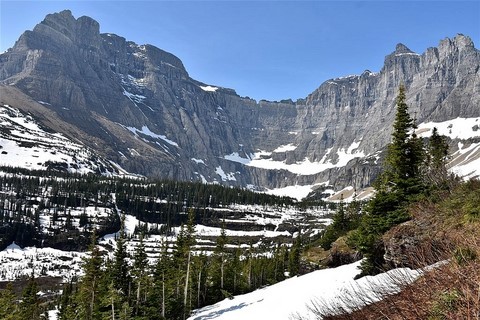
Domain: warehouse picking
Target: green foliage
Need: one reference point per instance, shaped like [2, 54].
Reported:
[90, 287]
[8, 305]
[344, 220]
[120, 272]
[464, 255]
[465, 200]
[294, 257]
[445, 305]
[30, 305]
[400, 183]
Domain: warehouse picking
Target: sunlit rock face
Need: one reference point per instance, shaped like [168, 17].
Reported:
[137, 106]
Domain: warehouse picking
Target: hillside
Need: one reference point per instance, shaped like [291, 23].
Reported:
[444, 227]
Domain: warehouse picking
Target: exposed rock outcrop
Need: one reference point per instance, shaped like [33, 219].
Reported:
[137, 106]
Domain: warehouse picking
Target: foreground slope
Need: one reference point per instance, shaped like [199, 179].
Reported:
[293, 297]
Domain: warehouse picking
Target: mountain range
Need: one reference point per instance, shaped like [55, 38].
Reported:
[137, 106]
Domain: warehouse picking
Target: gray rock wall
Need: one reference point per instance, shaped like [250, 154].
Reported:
[105, 86]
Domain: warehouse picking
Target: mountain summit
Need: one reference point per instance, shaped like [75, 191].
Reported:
[137, 106]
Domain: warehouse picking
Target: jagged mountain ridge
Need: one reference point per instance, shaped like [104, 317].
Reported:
[137, 106]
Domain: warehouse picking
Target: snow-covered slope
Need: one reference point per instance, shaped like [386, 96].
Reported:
[254, 225]
[292, 297]
[23, 143]
[465, 160]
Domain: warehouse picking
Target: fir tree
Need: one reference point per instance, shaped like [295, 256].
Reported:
[120, 269]
[400, 182]
[89, 289]
[8, 305]
[402, 166]
[220, 258]
[30, 305]
[436, 160]
[139, 271]
[294, 257]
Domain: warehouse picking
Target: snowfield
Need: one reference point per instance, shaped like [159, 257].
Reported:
[23, 143]
[292, 297]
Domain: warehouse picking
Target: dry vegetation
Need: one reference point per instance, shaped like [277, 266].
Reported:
[449, 290]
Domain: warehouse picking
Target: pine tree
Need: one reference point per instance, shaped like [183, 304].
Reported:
[30, 305]
[120, 272]
[294, 257]
[220, 260]
[8, 306]
[159, 296]
[402, 166]
[400, 182]
[139, 271]
[89, 288]
[436, 160]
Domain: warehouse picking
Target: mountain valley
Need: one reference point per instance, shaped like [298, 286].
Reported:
[137, 106]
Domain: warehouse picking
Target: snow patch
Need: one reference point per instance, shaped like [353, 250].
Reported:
[459, 128]
[208, 88]
[285, 148]
[225, 176]
[284, 300]
[146, 131]
[197, 161]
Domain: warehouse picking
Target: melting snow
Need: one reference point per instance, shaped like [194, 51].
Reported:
[298, 192]
[146, 131]
[466, 161]
[197, 161]
[208, 88]
[225, 176]
[305, 167]
[235, 157]
[284, 300]
[135, 98]
[459, 128]
[285, 148]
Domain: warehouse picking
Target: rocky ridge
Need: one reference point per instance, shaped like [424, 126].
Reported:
[137, 106]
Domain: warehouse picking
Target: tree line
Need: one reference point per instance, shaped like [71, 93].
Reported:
[169, 286]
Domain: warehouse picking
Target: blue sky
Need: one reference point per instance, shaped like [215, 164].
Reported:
[265, 49]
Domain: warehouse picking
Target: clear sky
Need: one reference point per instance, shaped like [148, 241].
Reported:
[265, 49]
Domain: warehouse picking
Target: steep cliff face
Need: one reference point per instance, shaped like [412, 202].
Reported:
[137, 106]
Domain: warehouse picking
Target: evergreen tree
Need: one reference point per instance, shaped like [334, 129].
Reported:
[120, 272]
[30, 305]
[8, 305]
[220, 258]
[338, 228]
[402, 166]
[160, 294]
[139, 271]
[436, 160]
[400, 182]
[294, 257]
[89, 296]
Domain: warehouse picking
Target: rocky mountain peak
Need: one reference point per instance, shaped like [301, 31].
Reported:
[138, 106]
[83, 30]
[401, 48]
[463, 41]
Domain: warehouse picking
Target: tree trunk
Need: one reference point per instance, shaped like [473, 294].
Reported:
[185, 291]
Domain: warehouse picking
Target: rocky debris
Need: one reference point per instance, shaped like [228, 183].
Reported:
[415, 244]
[340, 254]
